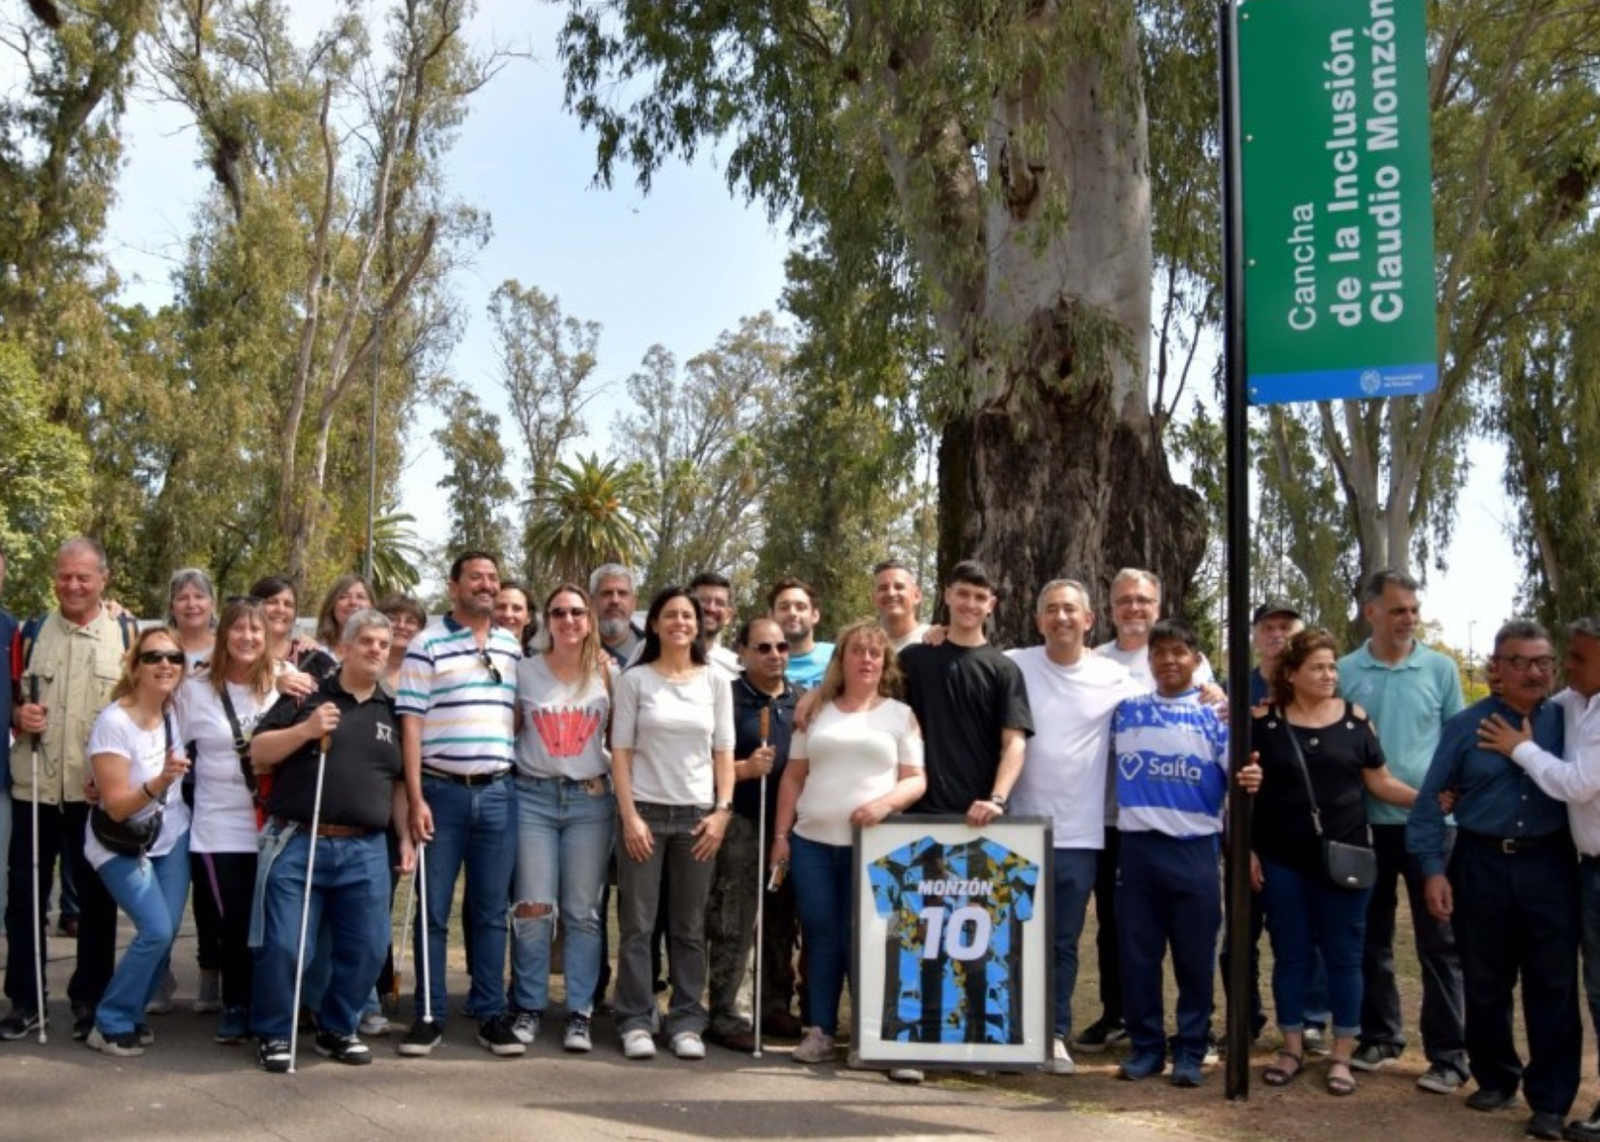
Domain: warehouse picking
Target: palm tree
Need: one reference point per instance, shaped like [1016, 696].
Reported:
[395, 554]
[580, 517]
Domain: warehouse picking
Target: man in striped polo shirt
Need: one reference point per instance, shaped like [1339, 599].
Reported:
[455, 704]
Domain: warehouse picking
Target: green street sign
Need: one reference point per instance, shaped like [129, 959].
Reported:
[1337, 199]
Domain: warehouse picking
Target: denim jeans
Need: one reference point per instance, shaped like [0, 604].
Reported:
[1075, 871]
[1306, 911]
[477, 826]
[152, 891]
[824, 897]
[350, 898]
[639, 890]
[564, 838]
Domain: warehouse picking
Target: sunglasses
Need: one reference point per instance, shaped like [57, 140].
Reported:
[769, 647]
[568, 612]
[488, 664]
[151, 657]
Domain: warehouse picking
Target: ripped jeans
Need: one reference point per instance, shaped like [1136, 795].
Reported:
[565, 831]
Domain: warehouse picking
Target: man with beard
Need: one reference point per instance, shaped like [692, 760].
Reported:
[794, 605]
[615, 596]
[715, 595]
[458, 689]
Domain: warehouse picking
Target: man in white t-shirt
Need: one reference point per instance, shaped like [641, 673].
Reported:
[897, 595]
[1073, 695]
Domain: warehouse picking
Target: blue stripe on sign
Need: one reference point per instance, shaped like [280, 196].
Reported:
[1358, 383]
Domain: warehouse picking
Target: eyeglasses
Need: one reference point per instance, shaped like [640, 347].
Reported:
[1520, 663]
[151, 657]
[769, 647]
[488, 664]
[568, 612]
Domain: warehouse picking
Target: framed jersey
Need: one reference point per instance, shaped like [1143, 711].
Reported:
[952, 942]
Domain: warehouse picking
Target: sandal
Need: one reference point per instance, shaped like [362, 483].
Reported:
[1340, 1085]
[1277, 1075]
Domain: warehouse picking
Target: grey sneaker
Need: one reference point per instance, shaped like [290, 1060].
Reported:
[208, 999]
[1060, 1060]
[525, 1026]
[1440, 1079]
[161, 1003]
[815, 1047]
[577, 1037]
[1316, 1042]
[1372, 1056]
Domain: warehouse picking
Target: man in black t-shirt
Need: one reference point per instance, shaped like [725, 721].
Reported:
[362, 788]
[972, 704]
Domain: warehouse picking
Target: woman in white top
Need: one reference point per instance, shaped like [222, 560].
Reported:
[672, 763]
[859, 760]
[192, 613]
[566, 815]
[137, 760]
[217, 713]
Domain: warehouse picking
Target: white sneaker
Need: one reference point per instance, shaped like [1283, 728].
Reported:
[905, 1075]
[638, 1044]
[688, 1045]
[1060, 1062]
[814, 1048]
[209, 997]
[375, 1023]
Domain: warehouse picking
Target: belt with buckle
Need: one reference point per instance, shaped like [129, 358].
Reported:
[467, 779]
[326, 830]
[1511, 846]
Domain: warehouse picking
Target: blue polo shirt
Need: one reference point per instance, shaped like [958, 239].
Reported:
[1409, 703]
[1495, 796]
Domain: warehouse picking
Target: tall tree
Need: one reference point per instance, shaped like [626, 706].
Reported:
[330, 231]
[998, 153]
[476, 476]
[704, 436]
[547, 362]
[586, 517]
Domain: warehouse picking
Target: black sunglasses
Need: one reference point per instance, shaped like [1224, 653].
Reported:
[568, 612]
[769, 647]
[488, 664]
[151, 657]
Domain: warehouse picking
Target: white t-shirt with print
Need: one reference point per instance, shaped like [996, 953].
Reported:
[114, 732]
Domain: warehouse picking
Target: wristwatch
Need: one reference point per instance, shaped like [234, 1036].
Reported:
[722, 807]
[998, 800]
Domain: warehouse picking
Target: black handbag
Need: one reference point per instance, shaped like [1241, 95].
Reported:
[131, 838]
[1347, 866]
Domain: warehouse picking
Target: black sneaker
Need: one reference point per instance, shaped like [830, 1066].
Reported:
[1100, 1034]
[497, 1035]
[123, 1046]
[274, 1056]
[82, 1020]
[423, 1037]
[145, 1032]
[1584, 1129]
[19, 1024]
[343, 1048]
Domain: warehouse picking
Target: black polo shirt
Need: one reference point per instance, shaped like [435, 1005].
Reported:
[748, 702]
[363, 760]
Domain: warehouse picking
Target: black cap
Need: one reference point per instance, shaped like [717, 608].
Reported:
[1274, 606]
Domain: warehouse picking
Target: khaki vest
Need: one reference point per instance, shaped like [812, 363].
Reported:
[76, 668]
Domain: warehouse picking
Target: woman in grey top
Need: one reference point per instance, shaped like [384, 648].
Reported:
[566, 816]
[672, 753]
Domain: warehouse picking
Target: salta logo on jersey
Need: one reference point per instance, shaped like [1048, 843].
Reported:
[953, 958]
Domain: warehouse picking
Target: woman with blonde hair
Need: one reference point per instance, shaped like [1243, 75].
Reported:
[858, 760]
[138, 838]
[566, 816]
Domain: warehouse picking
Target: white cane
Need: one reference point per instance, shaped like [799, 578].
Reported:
[38, 921]
[305, 905]
[422, 920]
[761, 884]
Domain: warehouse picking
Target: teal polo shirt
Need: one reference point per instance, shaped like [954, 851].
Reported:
[1409, 704]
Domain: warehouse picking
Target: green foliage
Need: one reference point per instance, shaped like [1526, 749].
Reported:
[476, 476]
[585, 517]
[395, 555]
[704, 438]
[44, 469]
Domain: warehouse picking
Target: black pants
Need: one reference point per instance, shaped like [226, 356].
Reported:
[1516, 915]
[61, 830]
[224, 888]
[1107, 952]
[1382, 1021]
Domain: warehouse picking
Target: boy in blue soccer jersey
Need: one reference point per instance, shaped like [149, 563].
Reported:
[1171, 757]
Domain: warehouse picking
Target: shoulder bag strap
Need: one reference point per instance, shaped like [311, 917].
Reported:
[1305, 774]
[241, 744]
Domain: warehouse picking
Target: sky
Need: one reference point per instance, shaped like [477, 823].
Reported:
[677, 267]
